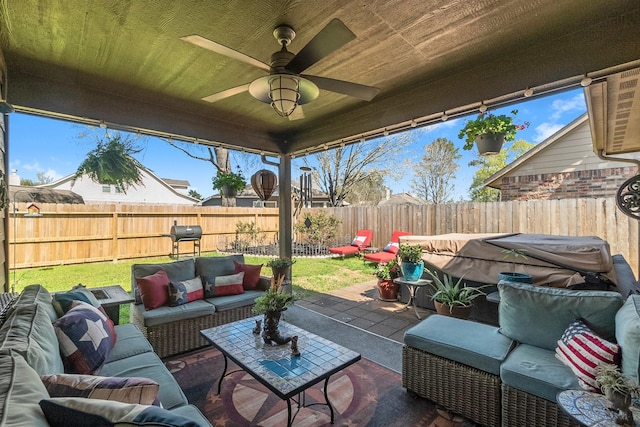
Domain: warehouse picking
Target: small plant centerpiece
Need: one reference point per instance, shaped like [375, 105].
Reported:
[512, 276]
[490, 131]
[229, 183]
[619, 389]
[272, 303]
[412, 265]
[453, 299]
[280, 266]
[387, 288]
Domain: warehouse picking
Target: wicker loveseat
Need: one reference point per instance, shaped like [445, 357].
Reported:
[509, 375]
[173, 330]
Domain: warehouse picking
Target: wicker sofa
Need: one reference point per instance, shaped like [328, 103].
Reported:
[508, 375]
[173, 330]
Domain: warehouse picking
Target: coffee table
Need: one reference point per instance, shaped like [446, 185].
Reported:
[591, 409]
[285, 375]
[413, 287]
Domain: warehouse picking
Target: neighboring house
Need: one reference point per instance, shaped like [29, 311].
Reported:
[401, 199]
[562, 166]
[153, 190]
[24, 194]
[248, 198]
[180, 185]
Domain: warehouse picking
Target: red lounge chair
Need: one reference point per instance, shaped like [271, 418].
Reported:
[361, 241]
[389, 252]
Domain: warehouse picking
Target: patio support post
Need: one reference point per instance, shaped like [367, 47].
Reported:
[285, 212]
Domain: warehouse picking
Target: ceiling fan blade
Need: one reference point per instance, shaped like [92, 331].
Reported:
[366, 93]
[223, 50]
[297, 114]
[330, 38]
[226, 93]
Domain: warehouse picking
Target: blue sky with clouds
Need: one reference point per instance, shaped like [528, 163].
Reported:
[53, 147]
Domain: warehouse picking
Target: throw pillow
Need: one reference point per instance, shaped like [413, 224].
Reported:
[62, 301]
[358, 241]
[251, 275]
[154, 289]
[223, 285]
[80, 412]
[85, 339]
[122, 389]
[392, 247]
[185, 291]
[583, 351]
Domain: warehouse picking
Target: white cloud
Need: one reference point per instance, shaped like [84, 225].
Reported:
[561, 106]
[439, 126]
[545, 130]
[53, 174]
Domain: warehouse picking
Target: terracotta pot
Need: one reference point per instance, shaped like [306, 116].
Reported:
[459, 311]
[489, 143]
[387, 290]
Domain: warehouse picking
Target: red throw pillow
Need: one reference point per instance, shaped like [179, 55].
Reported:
[154, 289]
[251, 275]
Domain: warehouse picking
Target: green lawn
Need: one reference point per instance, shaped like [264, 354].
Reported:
[310, 275]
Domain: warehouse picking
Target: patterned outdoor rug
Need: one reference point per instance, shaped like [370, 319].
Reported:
[364, 394]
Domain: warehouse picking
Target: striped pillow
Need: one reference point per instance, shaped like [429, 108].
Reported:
[223, 285]
[185, 291]
[582, 350]
[122, 389]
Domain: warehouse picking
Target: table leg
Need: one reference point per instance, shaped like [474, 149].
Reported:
[113, 312]
[415, 302]
[326, 397]
[289, 419]
[224, 372]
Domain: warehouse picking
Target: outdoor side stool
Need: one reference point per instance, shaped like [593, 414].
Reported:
[456, 363]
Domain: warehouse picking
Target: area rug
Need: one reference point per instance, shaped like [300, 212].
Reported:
[364, 394]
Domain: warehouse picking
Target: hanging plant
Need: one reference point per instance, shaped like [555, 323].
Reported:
[490, 123]
[112, 163]
[235, 181]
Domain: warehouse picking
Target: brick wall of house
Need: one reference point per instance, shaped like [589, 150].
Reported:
[578, 184]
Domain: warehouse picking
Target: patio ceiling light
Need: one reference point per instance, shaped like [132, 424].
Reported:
[284, 92]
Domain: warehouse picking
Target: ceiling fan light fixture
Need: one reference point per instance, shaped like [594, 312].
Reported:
[284, 92]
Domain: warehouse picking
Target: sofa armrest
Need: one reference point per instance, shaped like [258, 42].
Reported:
[626, 282]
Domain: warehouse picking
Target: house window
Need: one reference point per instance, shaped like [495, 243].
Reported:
[106, 189]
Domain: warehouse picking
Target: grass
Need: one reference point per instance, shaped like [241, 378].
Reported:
[309, 275]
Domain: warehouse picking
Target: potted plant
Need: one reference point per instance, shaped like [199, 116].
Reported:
[229, 183]
[490, 132]
[453, 299]
[412, 265]
[512, 276]
[280, 266]
[387, 288]
[272, 303]
[619, 389]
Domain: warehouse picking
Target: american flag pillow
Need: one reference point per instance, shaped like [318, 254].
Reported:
[582, 350]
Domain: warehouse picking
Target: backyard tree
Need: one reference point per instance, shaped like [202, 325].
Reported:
[434, 173]
[341, 169]
[368, 191]
[195, 194]
[488, 165]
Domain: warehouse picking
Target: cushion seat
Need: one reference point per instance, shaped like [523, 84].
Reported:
[167, 314]
[380, 257]
[473, 344]
[129, 343]
[229, 302]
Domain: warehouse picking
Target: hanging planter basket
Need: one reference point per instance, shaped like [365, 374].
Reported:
[228, 191]
[489, 144]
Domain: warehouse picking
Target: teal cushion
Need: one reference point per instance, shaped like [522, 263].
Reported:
[129, 343]
[537, 371]
[628, 336]
[20, 391]
[217, 265]
[62, 300]
[80, 412]
[168, 314]
[33, 294]
[539, 315]
[148, 365]
[470, 343]
[192, 413]
[177, 271]
[229, 302]
[29, 331]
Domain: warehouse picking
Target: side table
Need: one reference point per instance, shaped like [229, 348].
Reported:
[413, 287]
[111, 298]
[591, 409]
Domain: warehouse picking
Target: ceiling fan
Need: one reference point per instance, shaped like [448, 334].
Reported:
[286, 88]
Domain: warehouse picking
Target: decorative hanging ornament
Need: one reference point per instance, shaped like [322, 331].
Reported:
[264, 183]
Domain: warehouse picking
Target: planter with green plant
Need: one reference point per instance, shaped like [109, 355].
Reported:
[412, 265]
[280, 266]
[453, 299]
[387, 288]
[619, 389]
[272, 303]
[490, 132]
[229, 183]
[512, 276]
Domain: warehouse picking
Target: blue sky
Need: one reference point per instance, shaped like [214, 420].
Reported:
[54, 147]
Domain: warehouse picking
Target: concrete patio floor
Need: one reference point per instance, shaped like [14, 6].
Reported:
[359, 306]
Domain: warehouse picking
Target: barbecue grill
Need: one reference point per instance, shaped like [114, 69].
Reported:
[184, 233]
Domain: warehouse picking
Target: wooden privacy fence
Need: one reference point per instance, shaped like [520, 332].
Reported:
[68, 234]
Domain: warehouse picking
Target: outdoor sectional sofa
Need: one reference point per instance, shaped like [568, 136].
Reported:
[30, 348]
[173, 330]
[509, 374]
